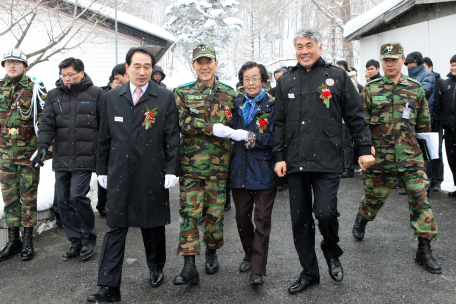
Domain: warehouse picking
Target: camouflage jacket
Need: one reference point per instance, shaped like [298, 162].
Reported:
[12, 147]
[203, 155]
[393, 136]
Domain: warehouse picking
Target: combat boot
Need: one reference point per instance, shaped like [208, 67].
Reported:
[212, 265]
[359, 228]
[13, 246]
[27, 252]
[424, 256]
[189, 273]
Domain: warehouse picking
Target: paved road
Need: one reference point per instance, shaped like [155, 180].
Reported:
[379, 269]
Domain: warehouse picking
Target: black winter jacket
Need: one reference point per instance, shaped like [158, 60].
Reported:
[438, 83]
[72, 117]
[308, 136]
[445, 105]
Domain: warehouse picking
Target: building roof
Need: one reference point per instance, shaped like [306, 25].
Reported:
[153, 37]
[384, 13]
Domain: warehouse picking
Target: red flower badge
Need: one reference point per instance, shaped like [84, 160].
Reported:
[325, 94]
[150, 118]
[228, 115]
[262, 122]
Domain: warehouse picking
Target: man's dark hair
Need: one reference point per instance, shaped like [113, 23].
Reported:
[280, 70]
[119, 69]
[140, 50]
[343, 63]
[428, 61]
[111, 79]
[77, 64]
[453, 59]
[373, 62]
[249, 65]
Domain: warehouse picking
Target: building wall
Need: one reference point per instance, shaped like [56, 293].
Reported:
[432, 38]
[98, 55]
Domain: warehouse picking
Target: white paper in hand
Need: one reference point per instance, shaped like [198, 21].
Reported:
[432, 142]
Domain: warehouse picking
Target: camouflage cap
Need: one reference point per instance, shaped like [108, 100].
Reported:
[203, 50]
[391, 50]
[269, 76]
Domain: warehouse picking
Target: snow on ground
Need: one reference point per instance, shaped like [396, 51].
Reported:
[46, 189]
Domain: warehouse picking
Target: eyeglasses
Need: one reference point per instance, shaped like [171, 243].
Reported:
[254, 80]
[12, 62]
[68, 75]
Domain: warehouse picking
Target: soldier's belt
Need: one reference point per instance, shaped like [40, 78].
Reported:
[11, 131]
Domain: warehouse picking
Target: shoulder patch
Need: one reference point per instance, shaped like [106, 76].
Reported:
[413, 80]
[186, 84]
[372, 81]
[226, 84]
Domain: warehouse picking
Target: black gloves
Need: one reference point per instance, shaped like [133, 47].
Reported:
[38, 157]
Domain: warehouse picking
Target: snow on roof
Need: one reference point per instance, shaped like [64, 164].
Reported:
[126, 19]
[369, 16]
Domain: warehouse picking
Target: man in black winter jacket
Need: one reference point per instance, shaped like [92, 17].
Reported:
[437, 164]
[158, 75]
[308, 148]
[444, 116]
[71, 116]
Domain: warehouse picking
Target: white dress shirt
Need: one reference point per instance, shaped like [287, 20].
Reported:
[133, 92]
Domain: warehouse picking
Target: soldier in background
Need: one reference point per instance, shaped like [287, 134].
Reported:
[267, 85]
[20, 109]
[394, 120]
[205, 149]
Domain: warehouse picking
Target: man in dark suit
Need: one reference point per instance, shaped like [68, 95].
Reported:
[138, 150]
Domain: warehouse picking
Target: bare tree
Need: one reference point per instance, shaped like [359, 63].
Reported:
[67, 25]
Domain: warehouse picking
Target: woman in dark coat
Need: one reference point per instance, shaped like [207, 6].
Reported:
[252, 177]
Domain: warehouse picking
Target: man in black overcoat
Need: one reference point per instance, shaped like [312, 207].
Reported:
[308, 148]
[137, 161]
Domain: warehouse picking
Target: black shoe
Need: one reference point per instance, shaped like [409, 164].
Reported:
[58, 220]
[105, 294]
[27, 252]
[436, 187]
[336, 272]
[424, 256]
[397, 184]
[71, 254]
[255, 279]
[300, 285]
[403, 192]
[347, 174]
[280, 188]
[86, 251]
[156, 278]
[101, 210]
[245, 266]
[285, 187]
[227, 207]
[189, 273]
[212, 265]
[13, 246]
[359, 228]
[452, 194]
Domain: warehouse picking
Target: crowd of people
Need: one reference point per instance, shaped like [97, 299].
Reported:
[142, 139]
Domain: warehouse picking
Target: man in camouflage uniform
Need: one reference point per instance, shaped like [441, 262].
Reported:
[18, 179]
[205, 149]
[396, 109]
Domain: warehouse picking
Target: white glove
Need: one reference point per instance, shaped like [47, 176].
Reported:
[221, 130]
[103, 181]
[170, 181]
[239, 135]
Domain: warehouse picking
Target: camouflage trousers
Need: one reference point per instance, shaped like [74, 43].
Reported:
[19, 189]
[198, 197]
[377, 188]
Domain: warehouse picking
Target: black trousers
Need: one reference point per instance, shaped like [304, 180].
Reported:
[437, 164]
[113, 250]
[76, 212]
[450, 148]
[349, 153]
[324, 187]
[102, 197]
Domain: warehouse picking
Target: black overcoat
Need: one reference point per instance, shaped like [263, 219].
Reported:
[135, 159]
